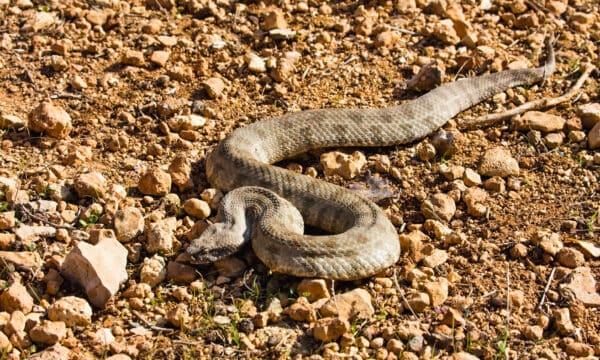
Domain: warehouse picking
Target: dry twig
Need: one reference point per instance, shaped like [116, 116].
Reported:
[543, 299]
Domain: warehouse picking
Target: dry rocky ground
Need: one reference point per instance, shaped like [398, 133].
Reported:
[108, 109]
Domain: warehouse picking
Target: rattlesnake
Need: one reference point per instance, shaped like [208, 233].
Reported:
[268, 204]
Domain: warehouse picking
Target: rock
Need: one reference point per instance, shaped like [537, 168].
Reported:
[475, 199]
[214, 87]
[178, 316]
[181, 273]
[153, 26]
[6, 345]
[196, 208]
[313, 289]
[22, 259]
[554, 140]
[549, 242]
[579, 349]
[386, 39]
[328, 329]
[533, 332]
[100, 275]
[186, 122]
[29, 234]
[413, 243]
[51, 120]
[594, 137]
[471, 178]
[71, 310]
[435, 259]
[274, 20]
[518, 251]
[350, 305]
[498, 162]
[562, 321]
[128, 224]
[48, 332]
[160, 57]
[92, 184]
[576, 135]
[437, 291]
[155, 182]
[439, 207]
[425, 151]
[153, 270]
[570, 257]
[589, 114]
[446, 142]
[16, 323]
[453, 318]
[16, 297]
[37, 20]
[11, 122]
[97, 17]
[133, 58]
[495, 184]
[342, 164]
[255, 63]
[429, 77]
[160, 235]
[57, 352]
[230, 266]
[444, 31]
[7, 220]
[581, 284]
[417, 301]
[180, 170]
[452, 172]
[301, 310]
[537, 120]
[463, 355]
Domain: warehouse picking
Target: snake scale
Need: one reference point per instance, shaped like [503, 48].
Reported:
[269, 205]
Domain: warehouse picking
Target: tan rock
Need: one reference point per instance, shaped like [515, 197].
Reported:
[444, 31]
[178, 316]
[160, 236]
[97, 17]
[386, 38]
[413, 243]
[417, 301]
[475, 199]
[160, 57]
[581, 284]
[533, 332]
[453, 318]
[197, 208]
[589, 114]
[594, 137]
[498, 162]
[328, 328]
[274, 20]
[436, 258]
[51, 120]
[100, 275]
[153, 270]
[342, 164]
[155, 182]
[133, 58]
[537, 120]
[230, 266]
[214, 87]
[181, 273]
[5, 342]
[22, 259]
[128, 224]
[313, 289]
[579, 349]
[301, 310]
[91, 184]
[180, 170]
[16, 297]
[48, 332]
[350, 305]
[153, 26]
[15, 323]
[71, 310]
[439, 207]
[452, 172]
[437, 291]
[570, 257]
[471, 178]
[562, 321]
[37, 20]
[7, 220]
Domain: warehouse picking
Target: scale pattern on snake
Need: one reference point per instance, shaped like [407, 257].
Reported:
[269, 205]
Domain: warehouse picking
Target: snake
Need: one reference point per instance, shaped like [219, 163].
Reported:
[268, 206]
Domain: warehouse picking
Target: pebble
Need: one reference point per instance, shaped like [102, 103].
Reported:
[454, 318]
[439, 207]
[418, 301]
[589, 114]
[160, 235]
[413, 243]
[554, 140]
[22, 259]
[178, 316]
[444, 31]
[447, 142]
[429, 77]
[475, 199]
[97, 17]
[7, 220]
[452, 172]
[128, 224]
[48, 332]
[548, 242]
[436, 258]
[92, 184]
[350, 305]
[471, 178]
[328, 328]
[594, 137]
[153, 270]
[386, 39]
[197, 208]
[582, 285]
[16, 297]
[37, 20]
[16, 323]
[579, 349]
[133, 58]
[576, 135]
[160, 57]
[230, 266]
[11, 122]
[51, 120]
[100, 275]
[274, 20]
[498, 162]
[570, 258]
[181, 273]
[153, 26]
[537, 120]
[301, 310]
[495, 184]
[180, 170]
[342, 164]
[77, 83]
[562, 321]
[518, 251]
[425, 151]
[437, 291]
[214, 87]
[155, 182]
[533, 332]
[313, 289]
[71, 310]
[255, 63]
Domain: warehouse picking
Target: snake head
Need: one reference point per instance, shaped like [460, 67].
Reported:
[218, 241]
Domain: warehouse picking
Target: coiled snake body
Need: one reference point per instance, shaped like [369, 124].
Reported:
[269, 204]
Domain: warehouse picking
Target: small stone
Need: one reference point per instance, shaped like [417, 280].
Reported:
[439, 207]
[498, 162]
[153, 26]
[128, 224]
[230, 266]
[77, 83]
[579, 349]
[395, 346]
[92, 184]
[180, 170]
[284, 70]
[11, 122]
[274, 20]
[96, 17]
[255, 63]
[581, 284]
[181, 273]
[386, 39]
[37, 20]
[155, 182]
[413, 243]
[16, 297]
[554, 140]
[7, 220]
[437, 291]
[160, 57]
[570, 257]
[463, 355]
[444, 31]
[452, 172]
[71, 310]
[197, 208]
[447, 142]
[436, 258]
[328, 329]
[100, 275]
[549, 242]
[576, 135]
[313, 289]
[418, 301]
[160, 235]
[22, 259]
[153, 270]
[495, 184]
[186, 122]
[214, 87]
[475, 199]
[562, 321]
[350, 305]
[589, 114]
[133, 58]
[415, 344]
[533, 332]
[594, 137]
[16, 323]
[428, 77]
[51, 120]
[178, 316]
[342, 164]
[426, 151]
[301, 310]
[48, 332]
[518, 251]
[537, 120]
[454, 318]
[471, 178]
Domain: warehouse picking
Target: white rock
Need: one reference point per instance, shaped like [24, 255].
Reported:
[71, 310]
[153, 270]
